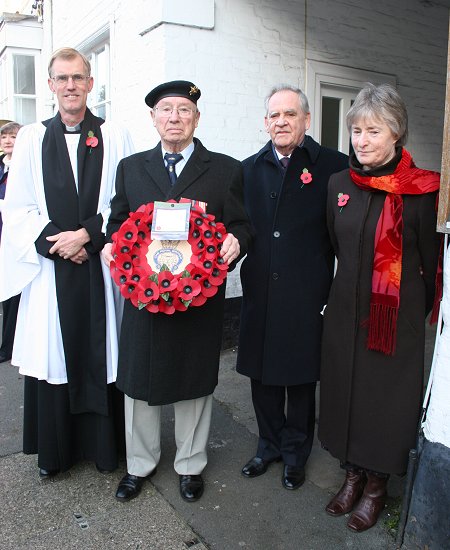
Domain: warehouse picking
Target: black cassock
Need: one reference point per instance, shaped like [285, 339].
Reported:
[82, 419]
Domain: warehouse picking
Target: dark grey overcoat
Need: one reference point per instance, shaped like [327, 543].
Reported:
[370, 402]
[287, 273]
[169, 358]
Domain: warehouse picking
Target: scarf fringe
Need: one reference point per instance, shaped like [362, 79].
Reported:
[382, 329]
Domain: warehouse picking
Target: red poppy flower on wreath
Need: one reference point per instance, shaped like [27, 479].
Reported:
[305, 177]
[188, 288]
[160, 289]
[167, 281]
[91, 141]
[343, 200]
[148, 290]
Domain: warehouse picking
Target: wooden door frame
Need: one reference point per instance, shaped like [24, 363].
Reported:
[443, 222]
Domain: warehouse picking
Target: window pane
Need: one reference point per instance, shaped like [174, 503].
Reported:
[25, 110]
[24, 74]
[3, 92]
[101, 75]
[101, 111]
[350, 146]
[330, 122]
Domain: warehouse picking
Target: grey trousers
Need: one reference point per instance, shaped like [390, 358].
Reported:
[143, 435]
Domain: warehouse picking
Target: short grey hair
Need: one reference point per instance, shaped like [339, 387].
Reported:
[68, 54]
[304, 105]
[381, 102]
[10, 128]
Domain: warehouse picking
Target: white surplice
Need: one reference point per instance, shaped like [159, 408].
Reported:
[38, 349]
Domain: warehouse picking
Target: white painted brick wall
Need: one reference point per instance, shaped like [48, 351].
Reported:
[256, 44]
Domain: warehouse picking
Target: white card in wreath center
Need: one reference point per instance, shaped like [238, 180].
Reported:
[170, 221]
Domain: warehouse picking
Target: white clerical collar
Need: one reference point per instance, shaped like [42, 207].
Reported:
[73, 129]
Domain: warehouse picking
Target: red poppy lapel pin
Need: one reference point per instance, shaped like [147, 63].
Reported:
[343, 199]
[91, 141]
[305, 177]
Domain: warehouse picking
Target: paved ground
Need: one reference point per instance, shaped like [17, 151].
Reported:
[77, 510]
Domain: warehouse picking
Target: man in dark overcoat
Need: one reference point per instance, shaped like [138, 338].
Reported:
[285, 277]
[174, 358]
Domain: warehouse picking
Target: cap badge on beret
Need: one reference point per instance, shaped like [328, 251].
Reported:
[194, 90]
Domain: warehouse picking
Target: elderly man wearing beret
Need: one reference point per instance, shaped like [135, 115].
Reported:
[174, 359]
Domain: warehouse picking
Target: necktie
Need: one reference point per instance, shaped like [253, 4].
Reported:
[172, 159]
[284, 162]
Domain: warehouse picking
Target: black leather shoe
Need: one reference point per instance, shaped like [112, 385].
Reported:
[293, 477]
[130, 486]
[44, 474]
[191, 487]
[4, 357]
[257, 466]
[103, 470]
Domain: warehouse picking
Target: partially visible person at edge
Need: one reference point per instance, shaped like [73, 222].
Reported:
[286, 278]
[382, 222]
[8, 133]
[60, 186]
[174, 359]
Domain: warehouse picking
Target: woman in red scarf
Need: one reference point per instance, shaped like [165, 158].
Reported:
[382, 222]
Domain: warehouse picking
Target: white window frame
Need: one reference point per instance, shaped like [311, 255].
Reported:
[4, 92]
[7, 94]
[326, 79]
[93, 103]
[96, 43]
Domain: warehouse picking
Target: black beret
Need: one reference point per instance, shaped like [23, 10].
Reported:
[175, 88]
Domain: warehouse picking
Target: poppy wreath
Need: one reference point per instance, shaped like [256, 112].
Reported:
[165, 291]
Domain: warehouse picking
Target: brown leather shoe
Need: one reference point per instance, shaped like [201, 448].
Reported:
[348, 494]
[368, 509]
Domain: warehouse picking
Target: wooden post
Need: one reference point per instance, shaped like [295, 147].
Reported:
[443, 222]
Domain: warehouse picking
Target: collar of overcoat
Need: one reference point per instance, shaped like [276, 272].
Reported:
[196, 166]
[311, 147]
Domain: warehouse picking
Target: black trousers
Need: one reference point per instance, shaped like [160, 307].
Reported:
[286, 421]
[10, 308]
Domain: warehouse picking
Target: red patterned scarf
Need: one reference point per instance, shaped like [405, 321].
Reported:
[387, 263]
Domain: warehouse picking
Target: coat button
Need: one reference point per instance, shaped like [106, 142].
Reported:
[273, 195]
[276, 234]
[275, 276]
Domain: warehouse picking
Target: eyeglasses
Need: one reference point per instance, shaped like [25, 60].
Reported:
[183, 112]
[61, 79]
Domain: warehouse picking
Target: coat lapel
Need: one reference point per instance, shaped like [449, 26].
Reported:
[196, 166]
[154, 164]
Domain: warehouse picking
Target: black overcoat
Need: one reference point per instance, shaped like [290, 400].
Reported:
[287, 273]
[169, 358]
[370, 402]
